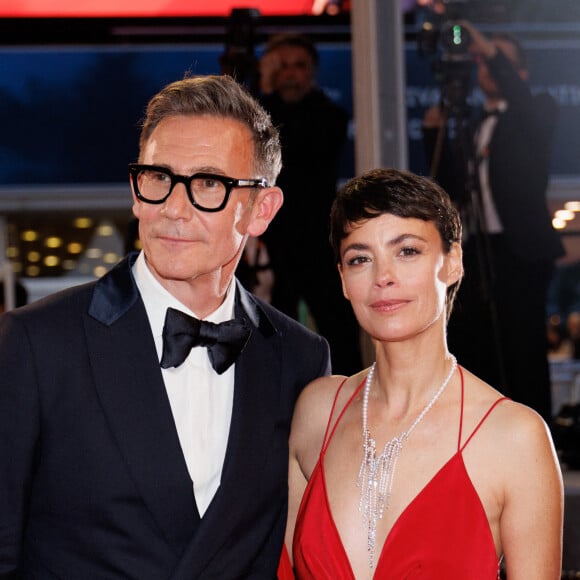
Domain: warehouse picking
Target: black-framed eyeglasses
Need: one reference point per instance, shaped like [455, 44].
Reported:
[206, 191]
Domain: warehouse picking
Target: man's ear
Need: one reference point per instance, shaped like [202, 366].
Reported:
[266, 206]
[136, 203]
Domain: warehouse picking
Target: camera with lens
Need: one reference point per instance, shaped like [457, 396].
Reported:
[444, 39]
[442, 35]
[238, 59]
[454, 39]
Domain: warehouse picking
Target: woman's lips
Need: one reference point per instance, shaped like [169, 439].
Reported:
[388, 305]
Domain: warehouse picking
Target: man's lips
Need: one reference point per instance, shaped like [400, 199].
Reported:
[172, 239]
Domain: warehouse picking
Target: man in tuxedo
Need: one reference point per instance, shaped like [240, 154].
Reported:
[137, 442]
[498, 329]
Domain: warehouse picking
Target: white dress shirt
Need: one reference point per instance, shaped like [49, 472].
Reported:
[200, 399]
[492, 221]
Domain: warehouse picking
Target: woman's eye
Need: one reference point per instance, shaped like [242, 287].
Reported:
[409, 251]
[355, 260]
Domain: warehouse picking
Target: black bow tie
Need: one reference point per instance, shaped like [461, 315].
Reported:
[182, 332]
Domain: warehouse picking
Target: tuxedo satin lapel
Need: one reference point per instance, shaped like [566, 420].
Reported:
[256, 395]
[115, 292]
[254, 420]
[256, 401]
[131, 390]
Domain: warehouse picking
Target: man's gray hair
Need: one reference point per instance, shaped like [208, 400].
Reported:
[219, 96]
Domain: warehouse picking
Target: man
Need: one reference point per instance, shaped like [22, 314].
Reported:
[313, 132]
[499, 327]
[118, 460]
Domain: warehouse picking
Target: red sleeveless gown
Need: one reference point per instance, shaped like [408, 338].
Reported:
[443, 534]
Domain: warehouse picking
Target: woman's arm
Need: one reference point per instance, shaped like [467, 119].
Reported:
[296, 486]
[309, 422]
[531, 523]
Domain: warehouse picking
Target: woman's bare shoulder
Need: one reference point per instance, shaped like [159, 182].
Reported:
[315, 406]
[318, 397]
[515, 427]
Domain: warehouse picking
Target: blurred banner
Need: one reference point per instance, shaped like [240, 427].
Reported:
[63, 121]
[138, 8]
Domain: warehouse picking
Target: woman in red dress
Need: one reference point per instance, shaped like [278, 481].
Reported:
[415, 468]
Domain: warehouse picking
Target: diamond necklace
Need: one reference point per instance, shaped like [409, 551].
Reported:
[376, 474]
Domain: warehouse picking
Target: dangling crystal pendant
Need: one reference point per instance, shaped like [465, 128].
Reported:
[376, 474]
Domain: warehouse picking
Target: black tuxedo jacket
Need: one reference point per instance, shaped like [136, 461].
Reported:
[519, 165]
[93, 483]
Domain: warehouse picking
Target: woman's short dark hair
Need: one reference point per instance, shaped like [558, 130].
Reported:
[400, 193]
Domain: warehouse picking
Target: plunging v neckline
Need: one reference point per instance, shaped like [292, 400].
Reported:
[455, 465]
[397, 523]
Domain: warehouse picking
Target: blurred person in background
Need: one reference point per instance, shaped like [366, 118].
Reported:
[313, 132]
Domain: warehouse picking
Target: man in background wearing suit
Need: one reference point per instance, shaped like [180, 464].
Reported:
[313, 132]
[498, 329]
[137, 442]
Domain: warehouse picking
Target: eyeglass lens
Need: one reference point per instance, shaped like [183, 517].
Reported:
[155, 185]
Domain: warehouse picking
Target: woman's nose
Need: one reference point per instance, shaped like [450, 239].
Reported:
[384, 275]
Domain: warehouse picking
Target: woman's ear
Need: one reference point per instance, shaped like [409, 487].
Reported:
[266, 205]
[454, 260]
[344, 292]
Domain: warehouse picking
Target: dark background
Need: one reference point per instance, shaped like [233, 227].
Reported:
[72, 91]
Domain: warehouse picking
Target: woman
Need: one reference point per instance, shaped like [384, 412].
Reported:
[415, 468]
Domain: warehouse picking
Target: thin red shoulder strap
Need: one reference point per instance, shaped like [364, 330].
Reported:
[482, 420]
[327, 436]
[461, 409]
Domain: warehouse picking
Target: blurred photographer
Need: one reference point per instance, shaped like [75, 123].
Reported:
[313, 132]
[498, 330]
